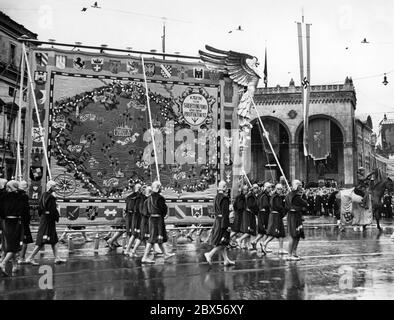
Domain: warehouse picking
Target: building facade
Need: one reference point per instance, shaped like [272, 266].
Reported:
[338, 142]
[10, 58]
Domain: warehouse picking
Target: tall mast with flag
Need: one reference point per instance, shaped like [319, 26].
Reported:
[305, 77]
[163, 38]
[265, 68]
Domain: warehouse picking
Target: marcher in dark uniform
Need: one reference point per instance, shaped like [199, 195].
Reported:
[157, 209]
[49, 215]
[3, 182]
[248, 225]
[276, 228]
[25, 209]
[133, 216]
[387, 206]
[220, 236]
[12, 226]
[263, 215]
[239, 208]
[318, 203]
[311, 202]
[295, 206]
[144, 225]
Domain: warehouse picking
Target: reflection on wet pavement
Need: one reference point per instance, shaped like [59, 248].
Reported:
[335, 265]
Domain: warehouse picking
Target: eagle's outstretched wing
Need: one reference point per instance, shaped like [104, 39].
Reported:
[241, 67]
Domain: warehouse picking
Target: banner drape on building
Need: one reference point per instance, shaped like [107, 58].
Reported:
[319, 136]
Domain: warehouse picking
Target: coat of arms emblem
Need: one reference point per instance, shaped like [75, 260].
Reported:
[114, 66]
[78, 63]
[40, 77]
[149, 69]
[132, 67]
[97, 64]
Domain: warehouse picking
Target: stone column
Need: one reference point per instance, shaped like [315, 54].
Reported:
[348, 160]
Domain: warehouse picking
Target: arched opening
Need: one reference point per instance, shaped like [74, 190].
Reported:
[328, 165]
[264, 167]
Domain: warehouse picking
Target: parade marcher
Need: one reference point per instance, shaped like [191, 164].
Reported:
[248, 225]
[49, 215]
[295, 206]
[263, 216]
[239, 208]
[3, 182]
[11, 214]
[318, 203]
[220, 236]
[311, 202]
[144, 225]
[133, 216]
[157, 209]
[24, 203]
[276, 228]
[129, 214]
[387, 206]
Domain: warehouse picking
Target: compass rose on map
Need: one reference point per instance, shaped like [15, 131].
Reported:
[66, 185]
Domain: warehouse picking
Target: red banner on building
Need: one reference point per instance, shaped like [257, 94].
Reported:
[319, 139]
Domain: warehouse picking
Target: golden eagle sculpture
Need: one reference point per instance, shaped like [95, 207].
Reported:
[242, 69]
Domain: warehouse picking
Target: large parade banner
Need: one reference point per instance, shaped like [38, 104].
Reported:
[95, 120]
[101, 142]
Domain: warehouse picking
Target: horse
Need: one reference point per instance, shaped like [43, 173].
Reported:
[377, 192]
[376, 189]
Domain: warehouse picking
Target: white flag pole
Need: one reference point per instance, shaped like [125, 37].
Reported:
[38, 115]
[19, 124]
[150, 120]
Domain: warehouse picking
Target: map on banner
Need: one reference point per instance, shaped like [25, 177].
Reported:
[100, 136]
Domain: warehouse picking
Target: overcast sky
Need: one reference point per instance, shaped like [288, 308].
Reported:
[336, 25]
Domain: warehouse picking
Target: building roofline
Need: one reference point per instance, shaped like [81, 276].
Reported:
[14, 26]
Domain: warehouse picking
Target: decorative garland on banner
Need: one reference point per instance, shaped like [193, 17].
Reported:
[69, 113]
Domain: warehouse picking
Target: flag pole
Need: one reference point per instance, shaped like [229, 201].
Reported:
[150, 119]
[18, 146]
[265, 67]
[38, 115]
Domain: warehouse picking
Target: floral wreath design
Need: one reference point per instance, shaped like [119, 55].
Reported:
[64, 122]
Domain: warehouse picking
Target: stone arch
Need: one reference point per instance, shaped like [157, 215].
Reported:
[333, 167]
[264, 166]
[253, 121]
[317, 116]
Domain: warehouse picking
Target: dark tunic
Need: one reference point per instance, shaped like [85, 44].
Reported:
[248, 224]
[136, 220]
[264, 213]
[157, 209]
[276, 227]
[49, 215]
[12, 222]
[387, 207]
[311, 205]
[25, 210]
[144, 231]
[130, 205]
[334, 204]
[2, 194]
[239, 208]
[220, 236]
[295, 206]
